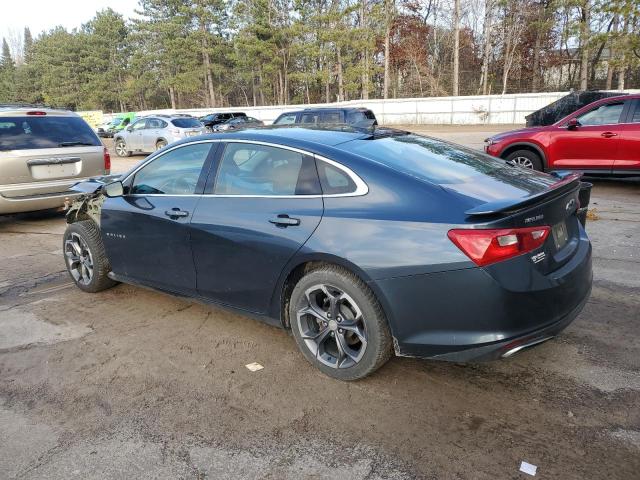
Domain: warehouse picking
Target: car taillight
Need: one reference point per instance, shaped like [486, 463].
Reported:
[107, 160]
[485, 247]
[37, 113]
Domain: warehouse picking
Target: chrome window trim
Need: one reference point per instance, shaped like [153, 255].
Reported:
[361, 187]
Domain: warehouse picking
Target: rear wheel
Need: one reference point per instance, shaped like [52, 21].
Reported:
[526, 159]
[161, 144]
[121, 148]
[85, 257]
[338, 324]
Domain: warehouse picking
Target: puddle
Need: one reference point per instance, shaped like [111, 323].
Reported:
[20, 328]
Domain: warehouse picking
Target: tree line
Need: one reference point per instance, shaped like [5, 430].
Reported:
[215, 53]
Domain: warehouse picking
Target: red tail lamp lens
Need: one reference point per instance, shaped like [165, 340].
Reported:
[485, 247]
[107, 160]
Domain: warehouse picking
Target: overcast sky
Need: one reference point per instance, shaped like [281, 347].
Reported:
[41, 15]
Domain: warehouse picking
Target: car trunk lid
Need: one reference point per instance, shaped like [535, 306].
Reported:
[556, 207]
[48, 170]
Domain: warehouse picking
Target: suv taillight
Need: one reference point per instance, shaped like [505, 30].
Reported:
[107, 161]
[485, 247]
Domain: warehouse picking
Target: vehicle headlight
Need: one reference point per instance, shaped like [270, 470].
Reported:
[489, 141]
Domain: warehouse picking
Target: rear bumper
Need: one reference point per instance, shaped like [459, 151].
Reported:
[510, 347]
[466, 315]
[33, 203]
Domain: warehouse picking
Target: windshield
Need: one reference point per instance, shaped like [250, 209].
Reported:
[186, 123]
[32, 132]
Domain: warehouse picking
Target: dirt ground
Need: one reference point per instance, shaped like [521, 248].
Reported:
[130, 383]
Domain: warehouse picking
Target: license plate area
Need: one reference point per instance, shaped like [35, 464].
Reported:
[193, 134]
[560, 235]
[42, 172]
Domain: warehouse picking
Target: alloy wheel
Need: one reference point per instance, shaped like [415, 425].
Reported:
[161, 144]
[332, 326]
[79, 259]
[522, 162]
[121, 148]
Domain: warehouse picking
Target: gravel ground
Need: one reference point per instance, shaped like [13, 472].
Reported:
[130, 383]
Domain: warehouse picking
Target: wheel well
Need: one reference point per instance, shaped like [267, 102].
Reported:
[512, 148]
[289, 284]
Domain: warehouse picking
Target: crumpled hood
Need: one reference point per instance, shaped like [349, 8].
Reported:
[93, 184]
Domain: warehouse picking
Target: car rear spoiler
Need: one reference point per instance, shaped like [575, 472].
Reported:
[567, 181]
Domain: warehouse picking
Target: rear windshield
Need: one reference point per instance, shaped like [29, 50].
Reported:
[186, 123]
[444, 163]
[24, 133]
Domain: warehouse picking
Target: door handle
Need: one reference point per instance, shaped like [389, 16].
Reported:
[284, 220]
[608, 134]
[176, 213]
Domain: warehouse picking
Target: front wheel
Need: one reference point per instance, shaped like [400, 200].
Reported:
[526, 159]
[85, 257]
[121, 148]
[338, 324]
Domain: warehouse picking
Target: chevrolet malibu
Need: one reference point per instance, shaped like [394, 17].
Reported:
[362, 243]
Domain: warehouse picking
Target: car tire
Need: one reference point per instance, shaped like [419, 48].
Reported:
[161, 144]
[121, 148]
[85, 257]
[353, 344]
[526, 159]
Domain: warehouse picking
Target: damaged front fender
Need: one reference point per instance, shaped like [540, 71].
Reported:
[89, 205]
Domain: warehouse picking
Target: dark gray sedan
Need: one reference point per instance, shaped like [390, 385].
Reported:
[364, 243]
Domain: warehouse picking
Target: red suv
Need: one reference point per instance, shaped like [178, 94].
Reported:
[600, 138]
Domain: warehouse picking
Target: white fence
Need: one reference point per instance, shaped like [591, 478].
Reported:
[473, 110]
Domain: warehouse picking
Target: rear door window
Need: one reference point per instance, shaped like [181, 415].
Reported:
[261, 170]
[332, 117]
[44, 131]
[635, 118]
[156, 123]
[310, 118]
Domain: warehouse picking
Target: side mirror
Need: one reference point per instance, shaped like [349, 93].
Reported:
[114, 189]
[129, 129]
[573, 124]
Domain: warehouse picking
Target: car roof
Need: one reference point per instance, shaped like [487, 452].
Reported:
[311, 138]
[321, 109]
[293, 136]
[162, 116]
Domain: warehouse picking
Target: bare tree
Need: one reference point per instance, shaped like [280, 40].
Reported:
[585, 33]
[456, 47]
[488, 18]
[389, 11]
[513, 27]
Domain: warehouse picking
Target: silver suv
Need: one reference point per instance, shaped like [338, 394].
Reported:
[148, 134]
[43, 152]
